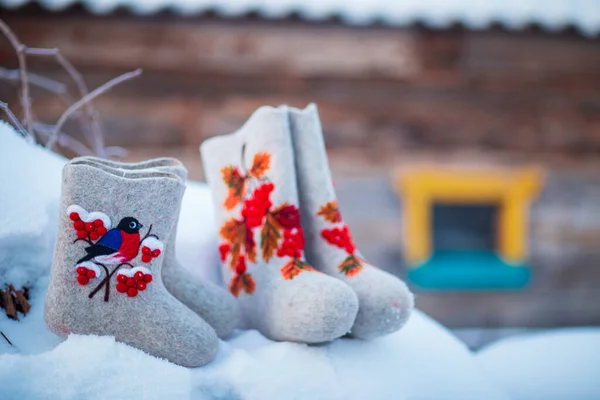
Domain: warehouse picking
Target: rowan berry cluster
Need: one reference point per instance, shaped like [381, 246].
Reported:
[292, 244]
[132, 284]
[84, 275]
[257, 206]
[148, 254]
[92, 230]
[340, 237]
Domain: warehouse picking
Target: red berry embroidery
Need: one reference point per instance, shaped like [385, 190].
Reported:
[258, 213]
[90, 227]
[133, 281]
[224, 250]
[86, 228]
[85, 274]
[340, 237]
[151, 250]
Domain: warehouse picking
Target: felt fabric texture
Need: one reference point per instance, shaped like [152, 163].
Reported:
[385, 302]
[305, 306]
[152, 320]
[211, 302]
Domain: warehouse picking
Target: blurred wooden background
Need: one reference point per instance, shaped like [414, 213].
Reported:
[387, 97]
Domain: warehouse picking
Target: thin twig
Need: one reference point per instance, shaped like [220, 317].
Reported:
[5, 338]
[20, 49]
[34, 79]
[115, 151]
[93, 94]
[15, 121]
[95, 136]
[149, 235]
[88, 241]
[65, 141]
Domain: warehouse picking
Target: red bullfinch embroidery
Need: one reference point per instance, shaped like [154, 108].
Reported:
[339, 236]
[252, 189]
[111, 250]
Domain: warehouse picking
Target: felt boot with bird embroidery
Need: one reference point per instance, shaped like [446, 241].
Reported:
[106, 273]
[385, 302]
[251, 174]
[215, 305]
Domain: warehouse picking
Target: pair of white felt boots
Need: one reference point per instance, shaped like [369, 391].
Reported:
[288, 259]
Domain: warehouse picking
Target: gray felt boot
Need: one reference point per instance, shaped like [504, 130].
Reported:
[106, 274]
[251, 174]
[385, 302]
[214, 304]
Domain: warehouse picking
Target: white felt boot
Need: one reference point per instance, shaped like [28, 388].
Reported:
[251, 174]
[211, 302]
[385, 302]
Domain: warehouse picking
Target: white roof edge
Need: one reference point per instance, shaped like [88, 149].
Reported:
[552, 15]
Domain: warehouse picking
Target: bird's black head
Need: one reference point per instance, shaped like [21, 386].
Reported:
[130, 225]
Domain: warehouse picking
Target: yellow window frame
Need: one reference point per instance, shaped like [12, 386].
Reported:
[512, 189]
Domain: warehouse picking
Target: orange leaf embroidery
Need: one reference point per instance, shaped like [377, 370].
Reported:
[250, 245]
[234, 231]
[240, 283]
[351, 265]
[236, 183]
[269, 237]
[294, 267]
[260, 164]
[330, 212]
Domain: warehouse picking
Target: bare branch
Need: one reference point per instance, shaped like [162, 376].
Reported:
[65, 141]
[94, 135]
[15, 121]
[93, 94]
[115, 151]
[19, 48]
[5, 338]
[37, 80]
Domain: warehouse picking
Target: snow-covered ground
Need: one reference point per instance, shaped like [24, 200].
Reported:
[553, 365]
[422, 361]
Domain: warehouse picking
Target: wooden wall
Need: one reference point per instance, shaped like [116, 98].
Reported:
[386, 97]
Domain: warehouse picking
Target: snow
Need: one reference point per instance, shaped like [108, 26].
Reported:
[422, 361]
[30, 179]
[559, 364]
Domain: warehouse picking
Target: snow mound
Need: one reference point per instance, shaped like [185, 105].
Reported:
[197, 237]
[30, 180]
[92, 367]
[422, 361]
[559, 364]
